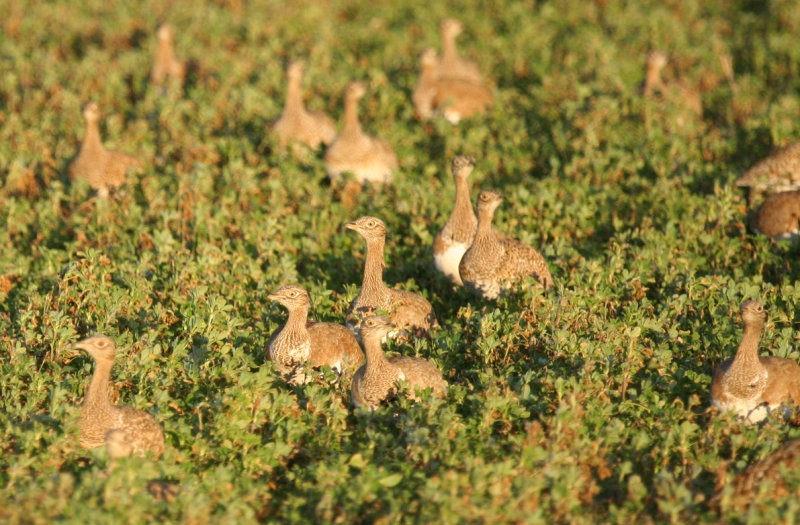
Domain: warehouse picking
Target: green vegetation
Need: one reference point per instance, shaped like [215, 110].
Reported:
[582, 405]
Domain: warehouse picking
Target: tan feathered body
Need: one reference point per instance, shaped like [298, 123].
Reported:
[298, 124]
[298, 342]
[750, 385]
[376, 381]
[493, 262]
[104, 169]
[452, 65]
[409, 311]
[369, 158]
[99, 416]
[453, 98]
[779, 215]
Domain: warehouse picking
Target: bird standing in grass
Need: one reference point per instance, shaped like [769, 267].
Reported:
[376, 381]
[298, 124]
[750, 385]
[370, 159]
[299, 342]
[136, 430]
[452, 65]
[410, 312]
[105, 170]
[777, 173]
[455, 238]
[166, 64]
[492, 264]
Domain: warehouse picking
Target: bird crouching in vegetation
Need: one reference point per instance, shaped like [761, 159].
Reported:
[493, 263]
[296, 123]
[779, 172]
[105, 170]
[138, 431]
[299, 343]
[750, 385]
[370, 159]
[410, 312]
[376, 381]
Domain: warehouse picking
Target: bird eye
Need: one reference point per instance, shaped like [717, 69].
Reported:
[371, 224]
[101, 343]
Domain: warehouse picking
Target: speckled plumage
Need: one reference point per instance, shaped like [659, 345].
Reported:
[769, 473]
[104, 169]
[376, 381]
[750, 385]
[491, 265]
[778, 172]
[298, 342]
[409, 311]
[456, 236]
[99, 417]
[166, 64]
[779, 216]
[370, 159]
[298, 124]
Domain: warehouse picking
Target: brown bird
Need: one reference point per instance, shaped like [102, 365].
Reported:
[369, 158]
[141, 432]
[768, 478]
[409, 311]
[455, 238]
[118, 446]
[166, 65]
[105, 170]
[453, 98]
[493, 262]
[376, 381]
[748, 385]
[676, 92]
[300, 342]
[296, 123]
[777, 173]
[452, 65]
[779, 216]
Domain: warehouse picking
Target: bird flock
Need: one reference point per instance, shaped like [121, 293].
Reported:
[468, 251]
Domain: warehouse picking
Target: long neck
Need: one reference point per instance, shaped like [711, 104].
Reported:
[352, 126]
[374, 353]
[484, 229]
[652, 78]
[449, 51]
[463, 207]
[296, 323]
[746, 358]
[165, 50]
[98, 388]
[373, 267]
[294, 99]
[92, 138]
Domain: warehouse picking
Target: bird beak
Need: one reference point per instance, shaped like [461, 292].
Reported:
[351, 225]
[80, 345]
[274, 296]
[502, 197]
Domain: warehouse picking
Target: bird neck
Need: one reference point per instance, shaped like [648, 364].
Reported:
[449, 50]
[298, 316]
[294, 98]
[351, 126]
[374, 353]
[373, 268]
[463, 216]
[652, 79]
[165, 54]
[92, 138]
[746, 360]
[98, 388]
[484, 229]
[428, 75]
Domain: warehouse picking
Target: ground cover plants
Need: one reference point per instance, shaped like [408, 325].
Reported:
[585, 404]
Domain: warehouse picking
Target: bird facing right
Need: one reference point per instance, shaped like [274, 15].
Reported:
[750, 385]
[492, 264]
[456, 236]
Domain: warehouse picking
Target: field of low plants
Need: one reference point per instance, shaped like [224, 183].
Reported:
[588, 403]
